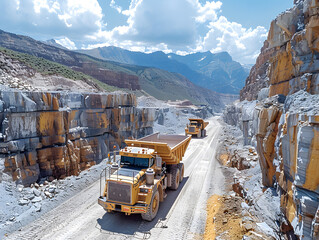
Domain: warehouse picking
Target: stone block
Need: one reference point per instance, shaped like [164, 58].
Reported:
[16, 101]
[19, 125]
[72, 101]
[95, 101]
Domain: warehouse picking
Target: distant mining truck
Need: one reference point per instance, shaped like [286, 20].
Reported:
[196, 127]
[147, 167]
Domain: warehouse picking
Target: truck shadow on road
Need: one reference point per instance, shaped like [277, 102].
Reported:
[118, 223]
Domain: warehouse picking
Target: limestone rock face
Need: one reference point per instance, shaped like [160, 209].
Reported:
[241, 114]
[60, 134]
[266, 118]
[289, 59]
[285, 126]
[285, 131]
[258, 77]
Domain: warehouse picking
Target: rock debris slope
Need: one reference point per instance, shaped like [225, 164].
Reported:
[283, 121]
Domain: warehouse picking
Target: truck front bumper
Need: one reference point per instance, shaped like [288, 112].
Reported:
[191, 133]
[119, 207]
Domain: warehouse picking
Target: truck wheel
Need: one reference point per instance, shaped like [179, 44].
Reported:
[203, 133]
[199, 134]
[175, 178]
[152, 208]
[181, 170]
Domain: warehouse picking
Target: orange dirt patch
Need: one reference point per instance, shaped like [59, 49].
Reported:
[223, 158]
[224, 218]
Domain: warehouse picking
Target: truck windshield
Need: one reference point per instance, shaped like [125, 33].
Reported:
[134, 162]
[195, 124]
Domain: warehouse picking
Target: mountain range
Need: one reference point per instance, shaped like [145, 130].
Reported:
[217, 72]
[159, 83]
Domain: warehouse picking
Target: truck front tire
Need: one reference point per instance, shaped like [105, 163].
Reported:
[152, 208]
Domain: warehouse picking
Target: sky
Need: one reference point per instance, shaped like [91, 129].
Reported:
[179, 26]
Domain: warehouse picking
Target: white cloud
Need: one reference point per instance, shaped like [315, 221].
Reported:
[208, 12]
[115, 6]
[65, 42]
[181, 26]
[241, 43]
[155, 22]
[52, 18]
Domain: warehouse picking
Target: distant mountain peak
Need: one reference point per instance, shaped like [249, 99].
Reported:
[54, 43]
[224, 56]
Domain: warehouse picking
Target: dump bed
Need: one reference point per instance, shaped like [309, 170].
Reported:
[200, 121]
[171, 148]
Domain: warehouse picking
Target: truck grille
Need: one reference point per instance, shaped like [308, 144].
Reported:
[120, 192]
[191, 129]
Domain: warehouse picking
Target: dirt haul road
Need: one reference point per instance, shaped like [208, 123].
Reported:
[181, 216]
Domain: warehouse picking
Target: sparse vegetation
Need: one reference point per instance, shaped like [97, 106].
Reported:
[47, 67]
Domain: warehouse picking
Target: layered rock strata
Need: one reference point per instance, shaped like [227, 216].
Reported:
[61, 133]
[285, 125]
[288, 146]
[289, 60]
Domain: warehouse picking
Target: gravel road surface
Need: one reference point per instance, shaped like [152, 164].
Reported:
[181, 216]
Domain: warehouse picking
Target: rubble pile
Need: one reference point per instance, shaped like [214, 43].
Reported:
[14, 82]
[232, 152]
[11, 73]
[59, 134]
[284, 126]
[20, 205]
[36, 193]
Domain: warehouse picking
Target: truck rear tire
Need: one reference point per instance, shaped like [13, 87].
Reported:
[152, 208]
[203, 133]
[181, 170]
[175, 178]
[199, 134]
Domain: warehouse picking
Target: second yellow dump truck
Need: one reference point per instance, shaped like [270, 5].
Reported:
[147, 167]
[196, 127]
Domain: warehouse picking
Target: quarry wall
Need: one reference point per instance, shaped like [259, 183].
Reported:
[57, 134]
[283, 122]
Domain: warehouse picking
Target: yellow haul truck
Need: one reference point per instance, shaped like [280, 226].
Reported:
[196, 127]
[147, 167]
